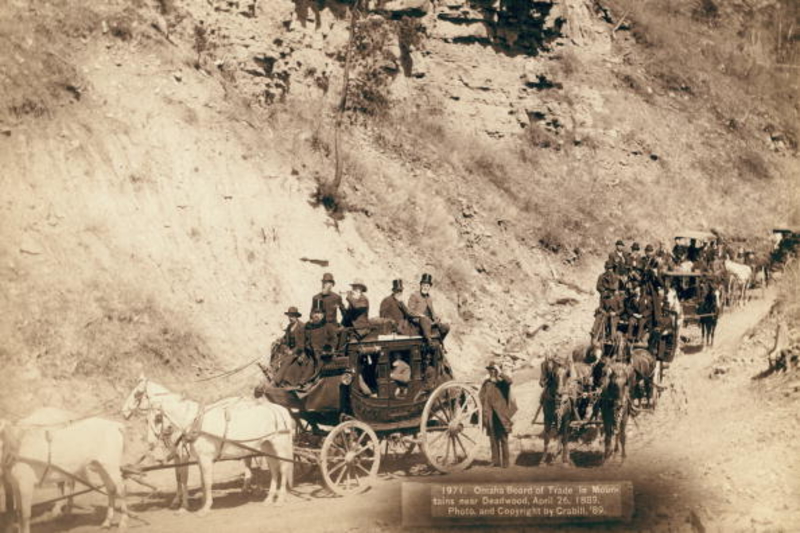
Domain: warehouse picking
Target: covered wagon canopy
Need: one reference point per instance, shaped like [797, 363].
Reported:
[699, 236]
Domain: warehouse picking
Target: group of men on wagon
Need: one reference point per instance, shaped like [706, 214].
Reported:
[335, 321]
[633, 290]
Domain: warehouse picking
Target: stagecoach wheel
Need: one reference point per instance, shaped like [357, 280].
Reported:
[350, 458]
[451, 427]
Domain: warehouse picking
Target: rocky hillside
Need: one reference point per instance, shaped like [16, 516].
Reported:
[164, 163]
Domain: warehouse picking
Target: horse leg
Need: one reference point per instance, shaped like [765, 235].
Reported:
[248, 475]
[206, 463]
[114, 486]
[181, 500]
[274, 472]
[546, 443]
[23, 480]
[285, 448]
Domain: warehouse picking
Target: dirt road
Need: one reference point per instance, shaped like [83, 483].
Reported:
[717, 455]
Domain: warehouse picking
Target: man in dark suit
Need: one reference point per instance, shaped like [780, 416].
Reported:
[331, 302]
[393, 308]
[608, 280]
[293, 336]
[619, 258]
[357, 314]
[498, 408]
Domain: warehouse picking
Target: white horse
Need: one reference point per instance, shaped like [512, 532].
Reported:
[160, 433]
[739, 280]
[221, 427]
[55, 446]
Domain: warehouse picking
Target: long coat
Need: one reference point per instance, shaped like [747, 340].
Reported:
[318, 336]
[294, 337]
[332, 303]
[357, 315]
[608, 282]
[497, 404]
[396, 310]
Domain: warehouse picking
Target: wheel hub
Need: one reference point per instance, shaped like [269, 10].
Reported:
[455, 427]
[349, 457]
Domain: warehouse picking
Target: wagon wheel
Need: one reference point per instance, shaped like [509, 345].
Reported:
[451, 427]
[350, 458]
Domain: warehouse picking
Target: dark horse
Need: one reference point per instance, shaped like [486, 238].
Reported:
[643, 367]
[615, 405]
[557, 404]
[709, 314]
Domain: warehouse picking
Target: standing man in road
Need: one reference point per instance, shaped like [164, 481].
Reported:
[421, 306]
[498, 407]
[331, 302]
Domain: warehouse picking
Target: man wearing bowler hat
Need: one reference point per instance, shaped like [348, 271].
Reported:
[302, 360]
[619, 258]
[293, 337]
[393, 308]
[331, 302]
[421, 306]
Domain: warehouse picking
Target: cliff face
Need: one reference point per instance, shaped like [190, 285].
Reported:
[162, 162]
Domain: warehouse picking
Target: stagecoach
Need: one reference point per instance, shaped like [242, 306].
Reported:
[354, 410]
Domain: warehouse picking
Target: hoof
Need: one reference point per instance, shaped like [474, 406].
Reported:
[202, 512]
[106, 524]
[123, 522]
[181, 511]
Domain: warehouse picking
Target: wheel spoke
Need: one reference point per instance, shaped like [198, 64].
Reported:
[469, 414]
[447, 449]
[335, 468]
[437, 437]
[341, 475]
[367, 472]
[457, 439]
[337, 447]
[468, 437]
[368, 446]
[439, 418]
[444, 410]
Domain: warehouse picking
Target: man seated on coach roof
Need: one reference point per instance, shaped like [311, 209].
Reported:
[639, 311]
[608, 280]
[393, 308]
[319, 337]
[619, 258]
[607, 316]
[331, 302]
[421, 306]
[357, 313]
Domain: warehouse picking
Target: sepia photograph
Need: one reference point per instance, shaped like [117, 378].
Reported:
[376, 266]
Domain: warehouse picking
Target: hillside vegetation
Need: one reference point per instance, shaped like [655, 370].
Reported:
[168, 167]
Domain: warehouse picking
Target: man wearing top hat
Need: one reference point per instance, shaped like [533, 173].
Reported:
[421, 306]
[331, 302]
[393, 308]
[498, 407]
[357, 312]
